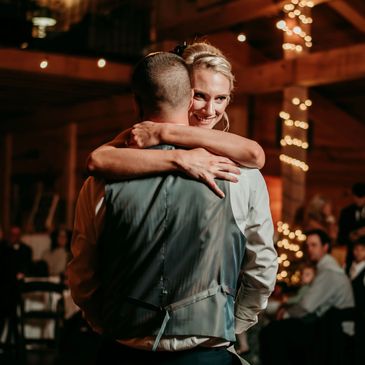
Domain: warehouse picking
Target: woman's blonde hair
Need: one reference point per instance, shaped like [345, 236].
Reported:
[204, 55]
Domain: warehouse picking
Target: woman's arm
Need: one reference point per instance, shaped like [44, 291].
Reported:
[112, 162]
[244, 151]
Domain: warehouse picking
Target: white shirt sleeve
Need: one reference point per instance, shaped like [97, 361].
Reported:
[260, 261]
[83, 268]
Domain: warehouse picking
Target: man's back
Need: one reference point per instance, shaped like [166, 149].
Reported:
[174, 247]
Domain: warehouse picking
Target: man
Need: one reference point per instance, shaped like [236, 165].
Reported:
[21, 252]
[330, 288]
[351, 224]
[162, 272]
[357, 275]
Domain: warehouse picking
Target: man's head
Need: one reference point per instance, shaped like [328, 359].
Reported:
[308, 272]
[359, 249]
[161, 85]
[15, 234]
[358, 192]
[318, 244]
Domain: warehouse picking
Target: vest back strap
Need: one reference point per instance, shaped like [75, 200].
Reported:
[185, 302]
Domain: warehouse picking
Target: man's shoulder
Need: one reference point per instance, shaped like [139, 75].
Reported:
[250, 172]
[329, 265]
[252, 177]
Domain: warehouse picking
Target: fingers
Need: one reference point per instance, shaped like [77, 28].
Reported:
[226, 176]
[135, 139]
[229, 168]
[215, 188]
[227, 161]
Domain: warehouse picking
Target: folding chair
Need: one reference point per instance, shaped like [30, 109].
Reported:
[41, 316]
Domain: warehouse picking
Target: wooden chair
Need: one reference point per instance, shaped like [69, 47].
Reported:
[41, 306]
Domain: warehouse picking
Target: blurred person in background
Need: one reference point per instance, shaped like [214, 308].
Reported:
[22, 254]
[298, 323]
[59, 253]
[351, 222]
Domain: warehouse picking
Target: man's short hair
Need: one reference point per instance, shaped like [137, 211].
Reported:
[323, 236]
[161, 81]
[360, 241]
[358, 189]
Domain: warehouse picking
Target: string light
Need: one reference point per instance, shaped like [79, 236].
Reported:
[297, 30]
[43, 64]
[241, 37]
[294, 162]
[302, 105]
[294, 10]
[284, 228]
[101, 63]
[292, 47]
[289, 248]
[291, 123]
[289, 141]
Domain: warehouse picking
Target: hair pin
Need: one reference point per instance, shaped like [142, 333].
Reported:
[180, 48]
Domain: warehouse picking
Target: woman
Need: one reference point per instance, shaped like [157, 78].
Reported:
[318, 215]
[212, 82]
[58, 255]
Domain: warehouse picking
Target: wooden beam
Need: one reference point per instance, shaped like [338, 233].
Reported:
[350, 13]
[220, 17]
[47, 118]
[69, 67]
[314, 69]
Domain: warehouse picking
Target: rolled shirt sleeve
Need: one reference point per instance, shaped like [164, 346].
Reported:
[260, 262]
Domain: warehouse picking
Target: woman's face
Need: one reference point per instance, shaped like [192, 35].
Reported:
[211, 97]
[62, 238]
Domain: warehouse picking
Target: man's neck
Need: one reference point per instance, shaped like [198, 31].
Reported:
[173, 118]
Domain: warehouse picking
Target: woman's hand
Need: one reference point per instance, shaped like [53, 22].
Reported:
[145, 134]
[204, 166]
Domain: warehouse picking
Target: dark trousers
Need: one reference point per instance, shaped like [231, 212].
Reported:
[113, 353]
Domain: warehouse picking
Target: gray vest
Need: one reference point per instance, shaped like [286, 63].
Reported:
[170, 256]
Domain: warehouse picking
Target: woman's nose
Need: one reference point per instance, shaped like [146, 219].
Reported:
[209, 108]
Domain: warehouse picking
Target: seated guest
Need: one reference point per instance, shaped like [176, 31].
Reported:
[307, 275]
[58, 255]
[351, 222]
[22, 254]
[330, 288]
[357, 273]
[357, 276]
[7, 284]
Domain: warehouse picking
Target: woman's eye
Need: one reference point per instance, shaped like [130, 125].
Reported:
[221, 99]
[199, 95]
